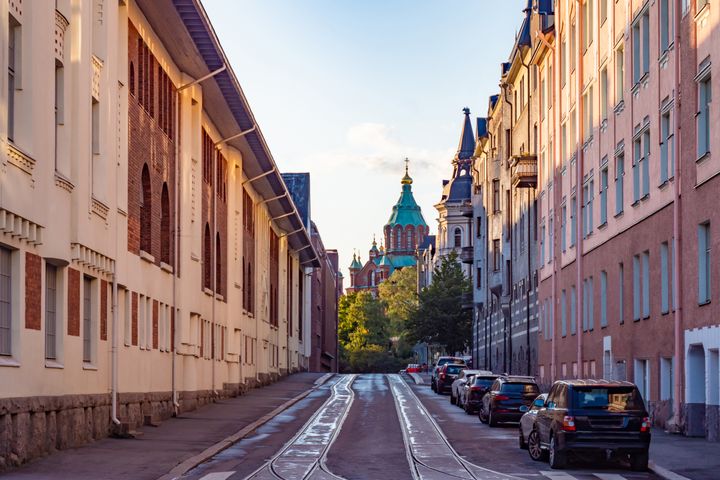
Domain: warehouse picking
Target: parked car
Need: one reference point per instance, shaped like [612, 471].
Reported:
[448, 374]
[436, 369]
[507, 394]
[585, 416]
[474, 390]
[459, 382]
[527, 423]
[412, 368]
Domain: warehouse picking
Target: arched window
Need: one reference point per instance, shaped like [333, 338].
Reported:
[410, 239]
[458, 237]
[165, 225]
[398, 239]
[207, 258]
[218, 266]
[132, 78]
[146, 211]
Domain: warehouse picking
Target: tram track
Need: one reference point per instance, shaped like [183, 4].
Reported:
[304, 456]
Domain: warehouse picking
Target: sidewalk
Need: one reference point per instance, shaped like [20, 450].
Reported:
[160, 449]
[693, 458]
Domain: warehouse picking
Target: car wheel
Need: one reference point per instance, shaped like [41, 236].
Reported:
[492, 421]
[467, 408]
[453, 399]
[558, 458]
[534, 449]
[481, 414]
[639, 462]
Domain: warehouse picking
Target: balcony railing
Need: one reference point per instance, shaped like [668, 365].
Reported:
[467, 254]
[524, 170]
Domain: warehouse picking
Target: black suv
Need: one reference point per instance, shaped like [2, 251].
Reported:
[436, 369]
[592, 416]
[506, 396]
[447, 375]
[476, 390]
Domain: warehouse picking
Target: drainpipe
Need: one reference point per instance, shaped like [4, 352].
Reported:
[678, 368]
[176, 254]
[579, 135]
[504, 86]
[213, 267]
[529, 259]
[115, 419]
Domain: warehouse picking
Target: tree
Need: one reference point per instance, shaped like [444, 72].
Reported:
[362, 322]
[440, 317]
[399, 294]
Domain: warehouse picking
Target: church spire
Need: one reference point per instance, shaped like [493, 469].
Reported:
[407, 179]
[467, 140]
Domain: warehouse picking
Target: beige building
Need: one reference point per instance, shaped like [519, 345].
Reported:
[151, 257]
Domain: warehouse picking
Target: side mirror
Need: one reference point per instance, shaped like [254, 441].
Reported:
[524, 408]
[539, 402]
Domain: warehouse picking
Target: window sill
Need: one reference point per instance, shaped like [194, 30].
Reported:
[665, 313]
[636, 203]
[702, 158]
[237, 285]
[619, 214]
[9, 362]
[207, 292]
[703, 11]
[703, 303]
[619, 107]
[664, 184]
[219, 297]
[90, 367]
[147, 257]
[602, 226]
[166, 267]
[54, 364]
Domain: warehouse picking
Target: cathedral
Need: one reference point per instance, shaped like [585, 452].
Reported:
[404, 231]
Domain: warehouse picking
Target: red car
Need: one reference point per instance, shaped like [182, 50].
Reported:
[413, 368]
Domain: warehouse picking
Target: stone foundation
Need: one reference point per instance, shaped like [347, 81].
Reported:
[32, 427]
[694, 419]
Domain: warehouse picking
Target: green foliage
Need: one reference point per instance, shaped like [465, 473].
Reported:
[373, 359]
[440, 318]
[362, 322]
[399, 294]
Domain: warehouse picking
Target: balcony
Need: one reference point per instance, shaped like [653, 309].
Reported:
[524, 170]
[467, 255]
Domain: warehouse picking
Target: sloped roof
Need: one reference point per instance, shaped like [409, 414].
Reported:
[406, 211]
[466, 147]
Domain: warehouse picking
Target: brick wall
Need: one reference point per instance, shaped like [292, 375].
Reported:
[210, 188]
[155, 324]
[134, 318]
[150, 143]
[73, 302]
[33, 293]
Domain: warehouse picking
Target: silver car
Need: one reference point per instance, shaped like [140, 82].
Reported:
[458, 383]
[527, 422]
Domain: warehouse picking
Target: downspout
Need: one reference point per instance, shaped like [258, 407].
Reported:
[114, 417]
[176, 254]
[213, 267]
[579, 135]
[678, 368]
[504, 86]
[529, 250]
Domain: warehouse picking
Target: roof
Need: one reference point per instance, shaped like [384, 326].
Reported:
[481, 129]
[196, 51]
[400, 261]
[428, 241]
[406, 211]
[384, 261]
[458, 189]
[299, 186]
[466, 147]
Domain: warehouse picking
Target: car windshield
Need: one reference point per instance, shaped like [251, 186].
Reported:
[520, 388]
[483, 382]
[454, 369]
[614, 399]
[443, 361]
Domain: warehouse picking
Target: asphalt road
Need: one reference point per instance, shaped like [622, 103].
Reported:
[386, 427]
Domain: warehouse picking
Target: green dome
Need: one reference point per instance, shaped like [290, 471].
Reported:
[406, 211]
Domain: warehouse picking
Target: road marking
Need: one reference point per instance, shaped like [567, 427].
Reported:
[609, 476]
[665, 473]
[557, 475]
[217, 476]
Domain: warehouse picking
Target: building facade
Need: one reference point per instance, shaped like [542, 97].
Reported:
[618, 148]
[151, 256]
[404, 232]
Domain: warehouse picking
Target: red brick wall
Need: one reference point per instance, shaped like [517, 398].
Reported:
[73, 302]
[155, 324]
[209, 189]
[33, 293]
[149, 142]
[134, 318]
[103, 309]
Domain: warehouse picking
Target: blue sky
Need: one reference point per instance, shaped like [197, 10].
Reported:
[346, 89]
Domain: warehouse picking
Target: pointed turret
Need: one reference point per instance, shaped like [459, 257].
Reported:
[355, 265]
[466, 148]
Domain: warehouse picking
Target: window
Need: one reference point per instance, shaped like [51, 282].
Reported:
[496, 255]
[13, 71]
[588, 308]
[542, 244]
[478, 227]
[573, 221]
[636, 287]
[603, 94]
[666, 378]
[5, 301]
[248, 260]
[642, 377]
[664, 279]
[603, 11]
[603, 299]
[165, 225]
[588, 23]
[667, 153]
[563, 314]
[573, 310]
[588, 194]
[551, 229]
[564, 143]
[218, 266]
[87, 320]
[146, 212]
[619, 183]
[563, 62]
[645, 161]
[589, 114]
[409, 242]
[478, 280]
[646, 284]
[51, 309]
[641, 167]
[457, 237]
[619, 73]
[641, 46]
[95, 126]
[207, 258]
[666, 26]
[496, 195]
[59, 103]
[704, 263]
[701, 4]
[703, 116]
[603, 195]
[621, 293]
[274, 262]
[573, 45]
[563, 228]
[208, 148]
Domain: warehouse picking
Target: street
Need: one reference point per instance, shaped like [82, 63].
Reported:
[374, 426]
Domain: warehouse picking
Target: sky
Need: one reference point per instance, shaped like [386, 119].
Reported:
[346, 89]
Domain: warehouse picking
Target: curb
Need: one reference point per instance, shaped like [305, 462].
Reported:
[417, 378]
[664, 472]
[227, 442]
